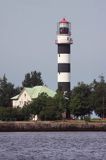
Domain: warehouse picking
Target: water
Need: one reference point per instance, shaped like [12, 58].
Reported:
[53, 146]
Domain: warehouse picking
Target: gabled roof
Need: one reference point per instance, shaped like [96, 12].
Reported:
[29, 91]
[34, 92]
[37, 90]
[15, 97]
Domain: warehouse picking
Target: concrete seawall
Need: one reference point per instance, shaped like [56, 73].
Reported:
[50, 126]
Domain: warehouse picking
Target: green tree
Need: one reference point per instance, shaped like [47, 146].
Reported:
[13, 114]
[53, 108]
[37, 105]
[7, 91]
[47, 108]
[62, 101]
[50, 113]
[32, 79]
[99, 96]
[80, 100]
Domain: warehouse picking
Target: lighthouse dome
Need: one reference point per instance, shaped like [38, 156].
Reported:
[63, 21]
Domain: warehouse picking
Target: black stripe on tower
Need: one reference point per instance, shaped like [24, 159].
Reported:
[63, 67]
[64, 86]
[64, 48]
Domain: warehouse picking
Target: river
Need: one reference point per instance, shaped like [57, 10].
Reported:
[53, 146]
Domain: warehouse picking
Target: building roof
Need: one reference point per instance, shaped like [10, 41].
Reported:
[63, 21]
[37, 90]
[34, 92]
[15, 97]
[29, 91]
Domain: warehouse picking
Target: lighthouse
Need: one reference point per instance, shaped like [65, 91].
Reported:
[64, 42]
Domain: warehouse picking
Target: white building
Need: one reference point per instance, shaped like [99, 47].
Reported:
[29, 94]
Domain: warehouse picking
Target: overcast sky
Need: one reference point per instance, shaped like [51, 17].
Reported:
[28, 33]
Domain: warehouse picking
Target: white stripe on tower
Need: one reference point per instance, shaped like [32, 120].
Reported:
[63, 77]
[64, 58]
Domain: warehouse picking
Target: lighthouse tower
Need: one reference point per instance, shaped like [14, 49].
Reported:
[63, 42]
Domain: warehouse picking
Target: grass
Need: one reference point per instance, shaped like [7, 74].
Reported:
[98, 120]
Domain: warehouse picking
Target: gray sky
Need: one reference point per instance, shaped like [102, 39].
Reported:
[28, 33]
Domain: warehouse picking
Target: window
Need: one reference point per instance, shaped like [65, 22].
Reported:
[64, 30]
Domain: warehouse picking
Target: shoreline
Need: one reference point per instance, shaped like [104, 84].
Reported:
[50, 126]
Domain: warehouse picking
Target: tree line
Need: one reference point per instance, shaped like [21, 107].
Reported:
[8, 89]
[80, 102]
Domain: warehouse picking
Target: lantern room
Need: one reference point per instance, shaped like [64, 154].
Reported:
[63, 27]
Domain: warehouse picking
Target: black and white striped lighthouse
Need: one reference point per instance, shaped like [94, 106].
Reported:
[63, 42]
